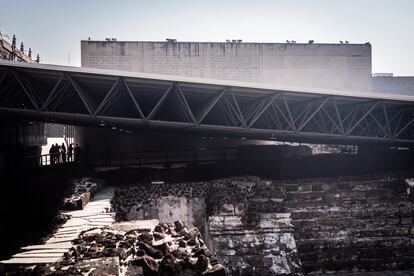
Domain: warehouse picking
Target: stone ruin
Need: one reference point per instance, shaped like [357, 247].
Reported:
[242, 218]
[252, 226]
[131, 249]
[290, 227]
[80, 191]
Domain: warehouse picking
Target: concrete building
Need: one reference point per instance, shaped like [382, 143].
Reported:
[336, 66]
[389, 84]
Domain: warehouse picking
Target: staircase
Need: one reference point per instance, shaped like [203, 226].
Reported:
[354, 224]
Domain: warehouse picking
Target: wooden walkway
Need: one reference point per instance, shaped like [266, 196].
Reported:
[97, 213]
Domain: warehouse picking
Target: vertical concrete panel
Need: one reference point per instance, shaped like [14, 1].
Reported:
[339, 66]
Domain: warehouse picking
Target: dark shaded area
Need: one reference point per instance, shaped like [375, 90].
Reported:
[30, 198]
[29, 203]
[287, 162]
[276, 162]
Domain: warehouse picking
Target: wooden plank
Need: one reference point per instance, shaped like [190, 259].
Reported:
[93, 215]
[48, 246]
[58, 240]
[54, 250]
[29, 261]
[39, 255]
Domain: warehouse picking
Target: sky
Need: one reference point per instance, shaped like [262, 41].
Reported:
[54, 28]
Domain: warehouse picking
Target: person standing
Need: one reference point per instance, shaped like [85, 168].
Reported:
[63, 152]
[70, 153]
[52, 154]
[57, 153]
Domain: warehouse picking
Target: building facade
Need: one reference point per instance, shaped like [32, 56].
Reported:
[10, 51]
[332, 66]
[389, 84]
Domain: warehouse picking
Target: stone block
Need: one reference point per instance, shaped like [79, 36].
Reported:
[134, 271]
[108, 266]
[227, 209]
[344, 186]
[239, 208]
[291, 187]
[304, 188]
[76, 202]
[318, 187]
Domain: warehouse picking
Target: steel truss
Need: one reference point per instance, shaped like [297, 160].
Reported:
[81, 98]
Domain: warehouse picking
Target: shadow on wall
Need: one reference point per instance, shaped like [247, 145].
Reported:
[275, 162]
[31, 199]
[291, 162]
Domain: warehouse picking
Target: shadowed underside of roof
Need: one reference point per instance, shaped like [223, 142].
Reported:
[83, 96]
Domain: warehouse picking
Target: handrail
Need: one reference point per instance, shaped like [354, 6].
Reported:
[147, 157]
[150, 151]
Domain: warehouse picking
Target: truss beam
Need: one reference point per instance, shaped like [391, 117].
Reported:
[230, 108]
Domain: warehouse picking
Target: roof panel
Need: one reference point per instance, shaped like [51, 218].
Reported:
[259, 88]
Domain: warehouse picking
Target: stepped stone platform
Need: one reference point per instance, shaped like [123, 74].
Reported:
[96, 213]
[353, 225]
[356, 225]
[360, 223]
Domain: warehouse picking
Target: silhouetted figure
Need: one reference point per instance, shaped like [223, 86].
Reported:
[63, 152]
[108, 156]
[87, 150]
[52, 154]
[57, 153]
[70, 153]
[77, 152]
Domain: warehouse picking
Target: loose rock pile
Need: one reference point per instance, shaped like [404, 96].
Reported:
[170, 249]
[80, 193]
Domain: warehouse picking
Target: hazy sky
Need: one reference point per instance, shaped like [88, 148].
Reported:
[54, 28]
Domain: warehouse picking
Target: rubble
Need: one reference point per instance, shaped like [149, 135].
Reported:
[167, 249]
[253, 226]
[80, 193]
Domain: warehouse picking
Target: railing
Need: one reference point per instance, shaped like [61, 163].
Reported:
[139, 158]
[42, 160]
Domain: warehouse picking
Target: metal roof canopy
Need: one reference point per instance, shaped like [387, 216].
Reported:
[85, 96]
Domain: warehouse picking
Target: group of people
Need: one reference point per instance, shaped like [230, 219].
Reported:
[58, 154]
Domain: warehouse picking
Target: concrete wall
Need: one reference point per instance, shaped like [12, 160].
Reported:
[17, 139]
[341, 66]
[393, 85]
[13, 132]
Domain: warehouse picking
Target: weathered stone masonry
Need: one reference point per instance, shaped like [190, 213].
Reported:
[242, 219]
[264, 227]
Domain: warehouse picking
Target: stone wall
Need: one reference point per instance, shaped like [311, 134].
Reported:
[144, 200]
[266, 248]
[352, 223]
[265, 227]
[239, 216]
[191, 211]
